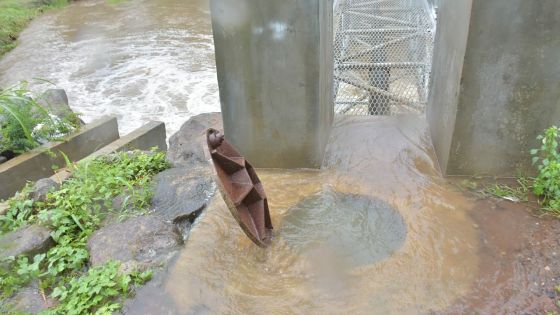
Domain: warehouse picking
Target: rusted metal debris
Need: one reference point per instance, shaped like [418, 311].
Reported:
[241, 189]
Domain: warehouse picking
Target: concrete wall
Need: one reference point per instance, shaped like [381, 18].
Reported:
[146, 137]
[449, 52]
[274, 63]
[496, 83]
[37, 163]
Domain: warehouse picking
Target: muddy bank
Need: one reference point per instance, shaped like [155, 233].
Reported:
[519, 265]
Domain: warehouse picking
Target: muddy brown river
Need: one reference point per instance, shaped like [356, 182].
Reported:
[139, 60]
[376, 231]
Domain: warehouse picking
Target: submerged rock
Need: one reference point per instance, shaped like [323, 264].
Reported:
[42, 187]
[139, 243]
[29, 241]
[186, 145]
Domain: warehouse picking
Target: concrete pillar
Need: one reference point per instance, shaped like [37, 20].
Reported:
[274, 63]
[495, 84]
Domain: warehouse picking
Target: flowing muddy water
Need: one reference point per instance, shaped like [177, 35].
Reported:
[139, 60]
[427, 249]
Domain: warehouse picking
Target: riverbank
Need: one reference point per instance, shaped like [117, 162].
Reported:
[16, 14]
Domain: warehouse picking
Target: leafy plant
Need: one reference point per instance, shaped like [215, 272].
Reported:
[15, 273]
[74, 212]
[25, 124]
[547, 158]
[96, 291]
[20, 211]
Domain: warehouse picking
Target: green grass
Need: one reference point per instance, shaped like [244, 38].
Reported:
[16, 14]
[545, 186]
[113, 2]
[74, 212]
[517, 193]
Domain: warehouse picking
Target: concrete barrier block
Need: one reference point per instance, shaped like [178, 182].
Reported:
[146, 137]
[37, 163]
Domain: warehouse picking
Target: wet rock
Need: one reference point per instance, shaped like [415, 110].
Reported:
[29, 300]
[140, 243]
[124, 201]
[56, 101]
[186, 145]
[3, 158]
[183, 224]
[4, 207]
[29, 241]
[181, 192]
[42, 187]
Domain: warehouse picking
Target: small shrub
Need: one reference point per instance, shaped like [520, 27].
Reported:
[547, 159]
[24, 124]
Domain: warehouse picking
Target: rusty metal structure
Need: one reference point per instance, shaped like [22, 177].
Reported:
[241, 188]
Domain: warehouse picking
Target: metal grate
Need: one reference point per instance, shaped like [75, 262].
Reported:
[382, 56]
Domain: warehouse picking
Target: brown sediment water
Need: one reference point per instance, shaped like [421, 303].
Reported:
[424, 250]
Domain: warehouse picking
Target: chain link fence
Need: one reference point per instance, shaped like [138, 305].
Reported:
[382, 56]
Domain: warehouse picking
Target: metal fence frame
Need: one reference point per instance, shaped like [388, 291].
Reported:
[382, 56]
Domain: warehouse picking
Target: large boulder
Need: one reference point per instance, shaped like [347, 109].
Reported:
[4, 207]
[29, 300]
[42, 187]
[28, 241]
[139, 243]
[56, 101]
[182, 192]
[179, 192]
[186, 145]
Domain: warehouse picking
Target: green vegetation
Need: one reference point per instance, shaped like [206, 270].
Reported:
[96, 290]
[547, 158]
[518, 193]
[16, 14]
[546, 185]
[112, 2]
[25, 124]
[73, 213]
